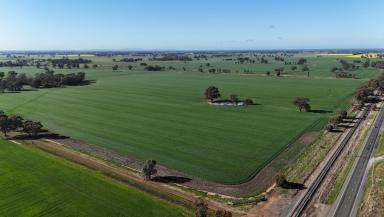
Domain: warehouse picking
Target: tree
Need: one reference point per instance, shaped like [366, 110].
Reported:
[4, 124]
[115, 67]
[293, 68]
[8, 124]
[212, 93]
[223, 213]
[329, 127]
[281, 180]
[279, 71]
[268, 73]
[248, 102]
[343, 114]
[32, 128]
[149, 169]
[130, 67]
[201, 208]
[234, 98]
[301, 61]
[302, 104]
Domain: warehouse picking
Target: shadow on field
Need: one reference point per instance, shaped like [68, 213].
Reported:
[87, 82]
[345, 126]
[171, 179]
[336, 131]
[347, 121]
[293, 185]
[320, 111]
[44, 135]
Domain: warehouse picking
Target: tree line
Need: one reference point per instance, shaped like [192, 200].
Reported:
[14, 81]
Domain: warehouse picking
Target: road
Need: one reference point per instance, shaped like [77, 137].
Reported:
[348, 201]
[302, 203]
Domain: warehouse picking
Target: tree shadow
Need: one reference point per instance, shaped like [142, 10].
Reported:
[345, 126]
[29, 89]
[348, 121]
[171, 179]
[87, 82]
[320, 111]
[336, 131]
[43, 135]
[293, 185]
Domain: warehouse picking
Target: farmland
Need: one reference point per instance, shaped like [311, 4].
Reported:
[34, 183]
[164, 116]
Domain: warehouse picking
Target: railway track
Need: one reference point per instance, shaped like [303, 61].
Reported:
[304, 201]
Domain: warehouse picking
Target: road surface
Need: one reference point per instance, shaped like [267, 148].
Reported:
[348, 202]
[302, 203]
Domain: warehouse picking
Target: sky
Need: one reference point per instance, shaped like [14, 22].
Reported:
[190, 24]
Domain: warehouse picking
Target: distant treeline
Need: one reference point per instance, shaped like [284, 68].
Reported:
[74, 63]
[15, 82]
[131, 60]
[18, 63]
[172, 58]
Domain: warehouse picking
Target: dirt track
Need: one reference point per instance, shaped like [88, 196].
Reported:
[259, 183]
[132, 178]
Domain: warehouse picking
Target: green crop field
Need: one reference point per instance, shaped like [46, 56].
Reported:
[164, 116]
[34, 183]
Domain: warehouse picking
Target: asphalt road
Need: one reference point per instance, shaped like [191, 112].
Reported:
[302, 203]
[348, 201]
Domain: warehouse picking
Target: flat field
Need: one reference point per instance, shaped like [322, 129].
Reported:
[34, 183]
[164, 116]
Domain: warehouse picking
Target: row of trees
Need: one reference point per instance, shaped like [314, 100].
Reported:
[364, 93]
[15, 82]
[212, 93]
[15, 122]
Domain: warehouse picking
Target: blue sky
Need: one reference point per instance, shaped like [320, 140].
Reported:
[190, 24]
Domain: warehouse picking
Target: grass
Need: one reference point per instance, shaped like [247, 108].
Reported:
[379, 151]
[36, 183]
[163, 116]
[372, 203]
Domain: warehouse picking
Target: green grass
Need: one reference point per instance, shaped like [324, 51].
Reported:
[34, 183]
[163, 116]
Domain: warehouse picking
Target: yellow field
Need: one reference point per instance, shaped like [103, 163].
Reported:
[350, 55]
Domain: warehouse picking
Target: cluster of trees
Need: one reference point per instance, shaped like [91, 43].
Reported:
[378, 64]
[18, 63]
[212, 93]
[364, 93]
[201, 210]
[302, 104]
[154, 68]
[215, 71]
[334, 120]
[14, 122]
[301, 61]
[49, 79]
[15, 82]
[66, 62]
